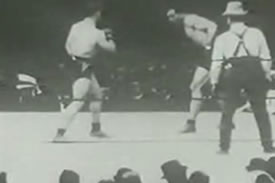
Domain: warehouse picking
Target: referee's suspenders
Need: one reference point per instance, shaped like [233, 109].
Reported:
[241, 43]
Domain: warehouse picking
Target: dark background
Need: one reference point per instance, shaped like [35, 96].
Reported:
[33, 32]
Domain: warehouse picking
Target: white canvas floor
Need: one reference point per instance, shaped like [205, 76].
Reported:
[141, 141]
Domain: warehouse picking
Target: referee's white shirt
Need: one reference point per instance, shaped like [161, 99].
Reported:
[254, 40]
[226, 44]
[84, 39]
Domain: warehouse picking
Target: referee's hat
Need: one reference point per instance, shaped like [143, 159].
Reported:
[235, 8]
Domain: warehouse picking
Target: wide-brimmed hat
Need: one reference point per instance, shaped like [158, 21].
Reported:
[235, 8]
[173, 167]
[256, 164]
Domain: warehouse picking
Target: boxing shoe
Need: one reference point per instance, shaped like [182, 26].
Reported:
[190, 127]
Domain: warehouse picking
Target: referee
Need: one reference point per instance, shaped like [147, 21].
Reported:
[241, 61]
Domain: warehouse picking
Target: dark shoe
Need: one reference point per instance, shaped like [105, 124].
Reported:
[189, 127]
[59, 135]
[98, 134]
[223, 152]
[96, 131]
[60, 139]
[269, 149]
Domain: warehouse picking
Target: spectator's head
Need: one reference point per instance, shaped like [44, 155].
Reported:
[126, 175]
[174, 172]
[271, 166]
[131, 177]
[264, 178]
[257, 164]
[3, 177]
[120, 173]
[199, 177]
[106, 181]
[69, 176]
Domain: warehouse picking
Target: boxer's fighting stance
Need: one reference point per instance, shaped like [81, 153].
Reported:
[83, 44]
[201, 31]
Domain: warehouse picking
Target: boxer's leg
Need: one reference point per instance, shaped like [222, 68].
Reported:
[80, 90]
[201, 76]
[95, 107]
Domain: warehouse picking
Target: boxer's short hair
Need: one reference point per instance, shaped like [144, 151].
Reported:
[93, 6]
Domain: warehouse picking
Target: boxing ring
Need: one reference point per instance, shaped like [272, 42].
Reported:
[140, 140]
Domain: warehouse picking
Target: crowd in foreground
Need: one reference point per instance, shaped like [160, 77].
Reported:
[258, 170]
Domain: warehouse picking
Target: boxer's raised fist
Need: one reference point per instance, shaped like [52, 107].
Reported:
[108, 34]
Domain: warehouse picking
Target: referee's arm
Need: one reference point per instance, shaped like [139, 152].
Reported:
[265, 55]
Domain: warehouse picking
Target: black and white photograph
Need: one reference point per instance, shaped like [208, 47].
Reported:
[137, 91]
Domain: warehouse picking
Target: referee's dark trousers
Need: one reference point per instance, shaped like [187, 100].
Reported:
[244, 74]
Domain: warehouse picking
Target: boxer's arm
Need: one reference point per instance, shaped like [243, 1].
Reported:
[69, 41]
[196, 24]
[211, 29]
[104, 43]
[181, 16]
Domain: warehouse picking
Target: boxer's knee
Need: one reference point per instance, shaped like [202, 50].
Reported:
[196, 93]
[98, 94]
[81, 88]
[74, 107]
[197, 84]
[95, 106]
[201, 76]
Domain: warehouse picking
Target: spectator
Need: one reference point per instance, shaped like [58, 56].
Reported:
[29, 88]
[256, 164]
[118, 177]
[131, 177]
[126, 175]
[69, 176]
[199, 177]
[106, 181]
[174, 172]
[257, 170]
[271, 166]
[263, 179]
[3, 177]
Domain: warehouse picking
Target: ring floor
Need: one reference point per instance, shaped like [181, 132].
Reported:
[141, 141]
